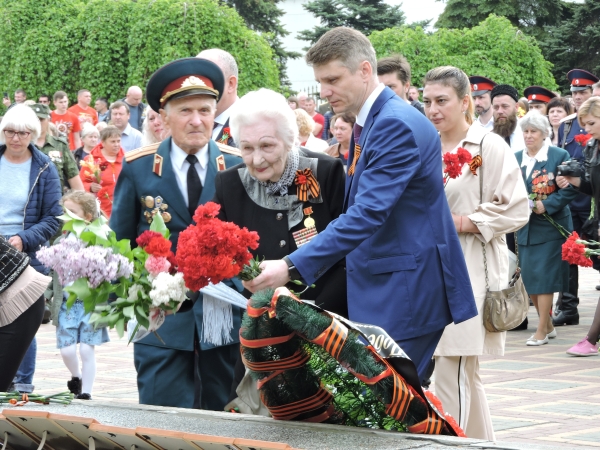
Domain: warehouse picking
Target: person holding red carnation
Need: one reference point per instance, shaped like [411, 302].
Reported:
[108, 154]
[539, 242]
[589, 118]
[487, 200]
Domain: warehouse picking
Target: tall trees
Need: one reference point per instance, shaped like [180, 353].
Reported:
[365, 16]
[575, 43]
[264, 16]
[532, 16]
[494, 48]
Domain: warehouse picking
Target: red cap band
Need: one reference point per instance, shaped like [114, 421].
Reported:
[538, 98]
[582, 82]
[482, 87]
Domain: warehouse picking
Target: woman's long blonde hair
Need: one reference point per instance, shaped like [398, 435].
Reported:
[456, 79]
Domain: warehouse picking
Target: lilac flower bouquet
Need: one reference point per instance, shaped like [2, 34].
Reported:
[94, 267]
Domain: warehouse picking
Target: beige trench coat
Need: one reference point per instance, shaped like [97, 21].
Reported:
[504, 209]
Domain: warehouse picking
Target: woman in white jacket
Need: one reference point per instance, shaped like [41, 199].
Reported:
[482, 214]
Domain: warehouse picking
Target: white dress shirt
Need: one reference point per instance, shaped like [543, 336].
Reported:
[181, 166]
[489, 126]
[361, 119]
[220, 121]
[529, 161]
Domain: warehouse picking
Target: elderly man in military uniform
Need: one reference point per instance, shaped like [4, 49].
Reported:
[582, 81]
[172, 178]
[57, 149]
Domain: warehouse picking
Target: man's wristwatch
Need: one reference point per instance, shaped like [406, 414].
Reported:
[292, 270]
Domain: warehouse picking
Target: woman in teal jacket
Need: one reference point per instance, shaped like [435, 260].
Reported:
[540, 242]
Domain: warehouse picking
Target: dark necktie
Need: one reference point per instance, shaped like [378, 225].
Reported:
[194, 186]
[357, 130]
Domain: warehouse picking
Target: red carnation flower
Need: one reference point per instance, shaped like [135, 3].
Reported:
[207, 211]
[583, 139]
[212, 250]
[159, 247]
[574, 252]
[144, 239]
[464, 156]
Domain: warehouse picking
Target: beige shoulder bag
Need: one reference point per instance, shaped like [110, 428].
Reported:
[505, 309]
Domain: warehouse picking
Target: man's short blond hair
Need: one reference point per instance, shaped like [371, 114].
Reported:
[343, 44]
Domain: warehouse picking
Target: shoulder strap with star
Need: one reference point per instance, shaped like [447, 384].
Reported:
[142, 151]
[228, 149]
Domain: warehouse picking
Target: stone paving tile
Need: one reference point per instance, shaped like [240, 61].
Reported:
[537, 395]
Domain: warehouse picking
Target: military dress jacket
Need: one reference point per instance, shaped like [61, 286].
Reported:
[146, 186]
[538, 230]
[57, 149]
[276, 218]
[571, 124]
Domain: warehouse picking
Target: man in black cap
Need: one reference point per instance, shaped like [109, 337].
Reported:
[538, 98]
[504, 104]
[481, 88]
[582, 81]
[172, 178]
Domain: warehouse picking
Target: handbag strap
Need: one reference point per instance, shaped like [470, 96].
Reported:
[487, 280]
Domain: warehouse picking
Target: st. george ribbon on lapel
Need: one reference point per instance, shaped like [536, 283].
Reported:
[357, 130]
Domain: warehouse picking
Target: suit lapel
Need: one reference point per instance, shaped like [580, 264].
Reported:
[220, 135]
[381, 99]
[169, 188]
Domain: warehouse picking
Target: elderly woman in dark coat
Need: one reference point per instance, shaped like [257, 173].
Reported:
[29, 200]
[539, 242]
[286, 193]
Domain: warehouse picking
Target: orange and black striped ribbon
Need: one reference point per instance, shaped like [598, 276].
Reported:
[357, 151]
[332, 339]
[306, 184]
[287, 412]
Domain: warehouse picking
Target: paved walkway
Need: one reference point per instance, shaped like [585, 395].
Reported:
[537, 395]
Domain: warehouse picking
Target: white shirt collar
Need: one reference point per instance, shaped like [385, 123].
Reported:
[361, 119]
[178, 156]
[540, 156]
[222, 118]
[127, 130]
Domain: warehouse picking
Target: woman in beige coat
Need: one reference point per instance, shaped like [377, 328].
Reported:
[503, 208]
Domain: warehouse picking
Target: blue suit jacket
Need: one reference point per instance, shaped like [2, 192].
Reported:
[136, 181]
[406, 270]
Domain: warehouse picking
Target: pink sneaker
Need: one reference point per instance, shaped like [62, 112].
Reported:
[583, 348]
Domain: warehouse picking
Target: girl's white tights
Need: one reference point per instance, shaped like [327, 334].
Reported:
[87, 373]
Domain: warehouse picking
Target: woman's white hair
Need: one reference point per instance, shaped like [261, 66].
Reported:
[264, 105]
[20, 118]
[88, 128]
[534, 119]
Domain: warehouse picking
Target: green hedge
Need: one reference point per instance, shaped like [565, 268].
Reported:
[495, 49]
[107, 45]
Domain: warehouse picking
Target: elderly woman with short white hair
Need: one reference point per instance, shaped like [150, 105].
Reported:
[29, 200]
[539, 242]
[286, 193]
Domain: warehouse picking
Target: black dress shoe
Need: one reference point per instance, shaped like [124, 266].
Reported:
[598, 287]
[84, 396]
[523, 325]
[74, 385]
[563, 318]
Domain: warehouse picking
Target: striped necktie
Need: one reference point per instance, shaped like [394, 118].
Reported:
[357, 130]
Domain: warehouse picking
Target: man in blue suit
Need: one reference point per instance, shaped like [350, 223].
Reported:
[172, 178]
[406, 271]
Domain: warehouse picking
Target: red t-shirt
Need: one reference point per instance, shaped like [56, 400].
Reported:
[67, 124]
[319, 118]
[85, 115]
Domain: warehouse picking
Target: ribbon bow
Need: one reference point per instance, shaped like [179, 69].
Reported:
[307, 183]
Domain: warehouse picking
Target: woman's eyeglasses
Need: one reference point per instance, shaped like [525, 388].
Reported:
[12, 133]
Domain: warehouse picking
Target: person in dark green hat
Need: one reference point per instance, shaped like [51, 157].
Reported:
[57, 149]
[173, 178]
